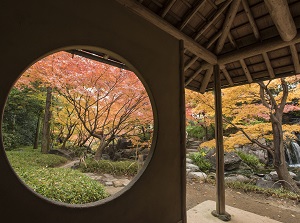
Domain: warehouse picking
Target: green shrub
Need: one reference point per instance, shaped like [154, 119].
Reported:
[278, 192]
[59, 184]
[199, 159]
[64, 185]
[128, 168]
[250, 160]
[28, 157]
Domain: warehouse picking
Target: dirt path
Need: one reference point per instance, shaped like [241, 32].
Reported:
[282, 210]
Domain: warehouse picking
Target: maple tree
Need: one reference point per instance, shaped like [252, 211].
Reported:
[96, 100]
[256, 111]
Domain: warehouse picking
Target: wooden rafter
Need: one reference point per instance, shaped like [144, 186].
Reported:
[191, 14]
[268, 64]
[246, 71]
[206, 80]
[295, 57]
[191, 62]
[167, 8]
[189, 43]
[213, 19]
[227, 24]
[194, 76]
[213, 39]
[281, 16]
[212, 4]
[255, 49]
[232, 40]
[226, 75]
[251, 19]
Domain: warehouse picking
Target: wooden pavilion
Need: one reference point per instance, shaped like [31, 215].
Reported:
[201, 45]
[228, 43]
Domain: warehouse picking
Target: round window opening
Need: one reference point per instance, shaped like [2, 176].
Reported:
[77, 128]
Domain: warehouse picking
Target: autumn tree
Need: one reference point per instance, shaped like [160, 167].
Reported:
[108, 101]
[256, 111]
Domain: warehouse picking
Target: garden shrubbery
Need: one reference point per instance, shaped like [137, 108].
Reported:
[127, 168]
[59, 184]
[250, 160]
[199, 159]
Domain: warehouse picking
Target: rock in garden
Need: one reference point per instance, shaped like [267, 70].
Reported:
[274, 175]
[108, 176]
[231, 160]
[197, 176]
[239, 178]
[267, 183]
[117, 183]
[188, 160]
[124, 182]
[108, 183]
[192, 167]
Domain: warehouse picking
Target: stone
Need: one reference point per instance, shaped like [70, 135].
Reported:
[108, 176]
[274, 175]
[108, 183]
[267, 183]
[188, 160]
[97, 177]
[231, 161]
[125, 182]
[188, 171]
[239, 178]
[197, 175]
[192, 167]
[117, 183]
[105, 157]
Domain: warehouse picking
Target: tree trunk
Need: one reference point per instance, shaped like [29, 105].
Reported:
[99, 151]
[37, 133]
[46, 123]
[279, 155]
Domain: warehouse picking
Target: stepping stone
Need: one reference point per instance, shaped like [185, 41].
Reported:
[188, 160]
[197, 175]
[192, 167]
[117, 183]
[108, 183]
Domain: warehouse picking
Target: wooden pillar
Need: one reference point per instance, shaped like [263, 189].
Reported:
[220, 201]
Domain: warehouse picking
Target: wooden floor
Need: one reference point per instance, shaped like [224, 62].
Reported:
[202, 214]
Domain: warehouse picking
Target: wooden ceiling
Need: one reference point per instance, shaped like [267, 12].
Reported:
[251, 40]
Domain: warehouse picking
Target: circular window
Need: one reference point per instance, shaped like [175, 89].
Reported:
[77, 126]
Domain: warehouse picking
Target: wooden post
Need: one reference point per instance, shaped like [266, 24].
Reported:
[220, 202]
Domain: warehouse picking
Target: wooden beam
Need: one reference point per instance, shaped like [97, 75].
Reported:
[167, 8]
[220, 211]
[212, 4]
[206, 80]
[227, 76]
[213, 19]
[268, 64]
[282, 18]
[194, 76]
[189, 43]
[246, 71]
[295, 58]
[227, 24]
[232, 40]
[191, 14]
[190, 63]
[213, 39]
[255, 49]
[251, 19]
